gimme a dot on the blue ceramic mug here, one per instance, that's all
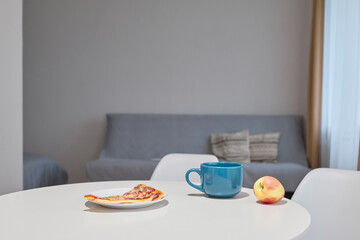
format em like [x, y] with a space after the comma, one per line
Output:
[218, 179]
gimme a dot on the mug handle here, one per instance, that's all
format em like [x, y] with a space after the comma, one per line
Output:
[198, 171]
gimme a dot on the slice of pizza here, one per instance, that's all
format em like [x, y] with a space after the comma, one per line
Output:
[140, 193]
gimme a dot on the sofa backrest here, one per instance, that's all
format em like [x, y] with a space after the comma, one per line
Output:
[149, 136]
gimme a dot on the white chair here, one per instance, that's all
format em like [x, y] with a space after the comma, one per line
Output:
[173, 167]
[332, 198]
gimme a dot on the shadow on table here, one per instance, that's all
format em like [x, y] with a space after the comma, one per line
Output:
[95, 208]
[239, 196]
[281, 202]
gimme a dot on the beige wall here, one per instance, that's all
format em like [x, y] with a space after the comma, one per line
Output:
[86, 58]
[11, 173]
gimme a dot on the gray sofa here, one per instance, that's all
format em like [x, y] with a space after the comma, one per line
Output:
[133, 141]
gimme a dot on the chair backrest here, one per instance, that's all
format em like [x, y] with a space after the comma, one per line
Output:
[332, 198]
[173, 167]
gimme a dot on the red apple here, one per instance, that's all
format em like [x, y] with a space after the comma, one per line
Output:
[268, 189]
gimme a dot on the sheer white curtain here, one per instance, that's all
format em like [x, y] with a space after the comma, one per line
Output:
[341, 85]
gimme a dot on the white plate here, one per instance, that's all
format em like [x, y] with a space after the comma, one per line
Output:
[120, 191]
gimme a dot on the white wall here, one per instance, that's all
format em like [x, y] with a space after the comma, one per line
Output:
[86, 58]
[11, 173]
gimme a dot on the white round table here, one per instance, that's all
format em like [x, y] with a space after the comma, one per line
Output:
[61, 212]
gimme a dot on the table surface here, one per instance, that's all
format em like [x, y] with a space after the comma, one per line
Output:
[61, 212]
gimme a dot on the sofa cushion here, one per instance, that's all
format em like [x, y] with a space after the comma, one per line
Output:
[264, 147]
[231, 147]
[110, 169]
[148, 136]
[289, 174]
